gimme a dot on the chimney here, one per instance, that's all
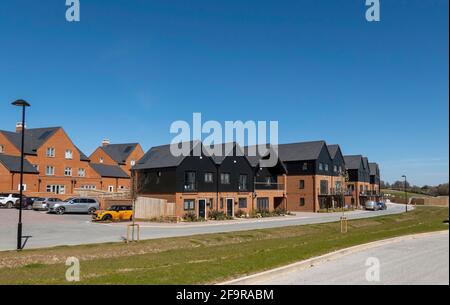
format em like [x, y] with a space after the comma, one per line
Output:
[19, 127]
[105, 142]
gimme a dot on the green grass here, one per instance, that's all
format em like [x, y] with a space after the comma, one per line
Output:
[209, 258]
[401, 194]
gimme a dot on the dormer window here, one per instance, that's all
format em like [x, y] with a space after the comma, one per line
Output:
[51, 152]
[69, 154]
[101, 160]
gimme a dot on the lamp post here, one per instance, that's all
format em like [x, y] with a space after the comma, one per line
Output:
[406, 194]
[23, 104]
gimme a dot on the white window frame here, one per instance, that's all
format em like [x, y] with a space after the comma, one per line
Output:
[69, 154]
[2, 148]
[133, 162]
[111, 188]
[81, 172]
[51, 152]
[24, 187]
[101, 160]
[58, 189]
[68, 172]
[49, 173]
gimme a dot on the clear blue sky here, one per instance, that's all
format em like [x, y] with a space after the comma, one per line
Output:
[132, 67]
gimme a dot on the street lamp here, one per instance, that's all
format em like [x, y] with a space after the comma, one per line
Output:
[23, 104]
[406, 194]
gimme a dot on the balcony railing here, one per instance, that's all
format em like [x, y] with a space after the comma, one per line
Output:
[335, 192]
[190, 187]
[269, 186]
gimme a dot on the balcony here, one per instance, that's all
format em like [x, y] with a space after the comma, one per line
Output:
[335, 192]
[190, 187]
[270, 186]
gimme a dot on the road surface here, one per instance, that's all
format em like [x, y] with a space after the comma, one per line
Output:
[419, 261]
[53, 230]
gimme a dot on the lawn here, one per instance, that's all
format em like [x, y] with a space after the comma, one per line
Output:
[211, 258]
[401, 194]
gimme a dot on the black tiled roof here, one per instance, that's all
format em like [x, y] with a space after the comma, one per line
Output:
[300, 151]
[353, 162]
[110, 171]
[119, 152]
[12, 163]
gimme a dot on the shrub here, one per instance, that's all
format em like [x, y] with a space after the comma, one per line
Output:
[217, 215]
[240, 214]
[190, 217]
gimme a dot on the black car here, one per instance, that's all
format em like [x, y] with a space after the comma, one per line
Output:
[27, 203]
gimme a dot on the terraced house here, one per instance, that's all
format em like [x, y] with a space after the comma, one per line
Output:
[200, 184]
[359, 180]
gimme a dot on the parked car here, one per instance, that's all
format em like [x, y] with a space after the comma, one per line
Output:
[372, 206]
[8, 200]
[41, 204]
[116, 213]
[74, 205]
[382, 205]
[27, 203]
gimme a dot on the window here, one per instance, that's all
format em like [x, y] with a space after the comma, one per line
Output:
[242, 203]
[335, 168]
[189, 181]
[50, 171]
[88, 187]
[340, 169]
[243, 182]
[56, 189]
[101, 160]
[69, 154]
[326, 167]
[321, 166]
[225, 178]
[221, 203]
[302, 202]
[189, 205]
[110, 188]
[305, 166]
[133, 162]
[24, 187]
[301, 184]
[323, 187]
[209, 178]
[51, 152]
[2, 149]
[81, 172]
[262, 204]
[68, 172]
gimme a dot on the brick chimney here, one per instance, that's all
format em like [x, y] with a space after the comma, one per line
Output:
[105, 142]
[19, 127]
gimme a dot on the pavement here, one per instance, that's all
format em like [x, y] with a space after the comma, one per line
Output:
[411, 260]
[48, 230]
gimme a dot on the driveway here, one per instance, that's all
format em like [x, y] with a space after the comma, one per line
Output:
[48, 230]
[417, 261]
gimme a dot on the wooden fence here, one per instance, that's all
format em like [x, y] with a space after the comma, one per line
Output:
[152, 208]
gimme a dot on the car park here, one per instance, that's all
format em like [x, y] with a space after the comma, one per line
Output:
[114, 213]
[8, 200]
[41, 204]
[79, 205]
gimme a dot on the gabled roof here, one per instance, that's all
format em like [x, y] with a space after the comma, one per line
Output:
[226, 150]
[12, 163]
[373, 168]
[255, 157]
[366, 163]
[303, 151]
[119, 152]
[34, 139]
[161, 156]
[110, 171]
[353, 162]
[333, 149]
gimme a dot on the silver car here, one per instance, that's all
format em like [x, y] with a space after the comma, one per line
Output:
[41, 204]
[74, 205]
[371, 205]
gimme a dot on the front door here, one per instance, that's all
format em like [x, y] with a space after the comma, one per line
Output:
[230, 207]
[202, 208]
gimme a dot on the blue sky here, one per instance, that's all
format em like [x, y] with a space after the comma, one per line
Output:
[132, 67]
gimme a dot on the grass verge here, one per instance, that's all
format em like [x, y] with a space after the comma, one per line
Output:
[209, 258]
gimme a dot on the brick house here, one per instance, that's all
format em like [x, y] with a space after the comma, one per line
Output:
[60, 164]
[10, 175]
[359, 180]
[123, 155]
[375, 179]
[200, 184]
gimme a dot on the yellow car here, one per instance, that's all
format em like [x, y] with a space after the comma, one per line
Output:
[114, 213]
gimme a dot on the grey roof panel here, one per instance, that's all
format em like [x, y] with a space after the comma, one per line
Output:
[119, 152]
[353, 162]
[373, 168]
[12, 163]
[112, 171]
[333, 149]
[300, 151]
